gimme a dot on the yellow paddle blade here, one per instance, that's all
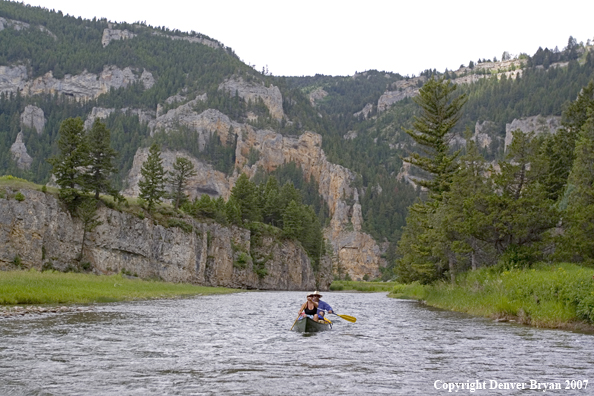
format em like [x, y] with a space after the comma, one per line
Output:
[347, 318]
[327, 320]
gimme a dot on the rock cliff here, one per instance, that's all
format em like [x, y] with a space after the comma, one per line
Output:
[207, 180]
[401, 90]
[19, 153]
[33, 117]
[271, 96]
[115, 34]
[40, 231]
[537, 124]
[82, 86]
[364, 256]
[317, 95]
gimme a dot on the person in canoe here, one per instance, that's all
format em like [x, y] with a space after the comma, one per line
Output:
[309, 308]
[322, 305]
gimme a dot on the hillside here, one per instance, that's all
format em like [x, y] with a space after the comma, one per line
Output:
[193, 95]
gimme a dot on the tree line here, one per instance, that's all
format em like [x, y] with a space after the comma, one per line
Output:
[535, 204]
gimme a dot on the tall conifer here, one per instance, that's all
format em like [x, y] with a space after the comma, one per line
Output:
[152, 184]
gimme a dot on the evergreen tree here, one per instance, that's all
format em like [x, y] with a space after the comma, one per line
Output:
[183, 170]
[440, 111]
[293, 221]
[70, 164]
[577, 239]
[245, 194]
[101, 157]
[152, 184]
[86, 211]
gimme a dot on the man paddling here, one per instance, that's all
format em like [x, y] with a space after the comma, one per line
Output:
[322, 305]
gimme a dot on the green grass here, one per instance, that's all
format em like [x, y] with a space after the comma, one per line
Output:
[363, 286]
[554, 296]
[32, 287]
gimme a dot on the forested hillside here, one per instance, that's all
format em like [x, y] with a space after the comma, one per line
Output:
[144, 73]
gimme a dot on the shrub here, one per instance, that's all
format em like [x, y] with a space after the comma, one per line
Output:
[85, 266]
[17, 261]
[44, 188]
[241, 261]
[179, 224]
[19, 196]
[48, 266]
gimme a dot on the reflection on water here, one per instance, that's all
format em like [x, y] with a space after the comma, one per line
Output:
[241, 344]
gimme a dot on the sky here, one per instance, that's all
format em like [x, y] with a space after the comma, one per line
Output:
[296, 38]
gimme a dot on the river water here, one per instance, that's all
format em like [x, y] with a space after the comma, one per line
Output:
[240, 344]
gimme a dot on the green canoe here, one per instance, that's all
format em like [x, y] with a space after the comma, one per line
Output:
[307, 325]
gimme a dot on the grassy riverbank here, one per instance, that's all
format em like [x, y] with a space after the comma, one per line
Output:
[553, 296]
[362, 286]
[32, 287]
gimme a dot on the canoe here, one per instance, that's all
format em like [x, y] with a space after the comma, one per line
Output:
[307, 325]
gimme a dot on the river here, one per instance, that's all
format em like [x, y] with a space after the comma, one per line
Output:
[240, 344]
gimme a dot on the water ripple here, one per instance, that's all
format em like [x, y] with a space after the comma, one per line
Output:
[240, 344]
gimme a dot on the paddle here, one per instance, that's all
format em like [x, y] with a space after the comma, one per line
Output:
[298, 315]
[346, 317]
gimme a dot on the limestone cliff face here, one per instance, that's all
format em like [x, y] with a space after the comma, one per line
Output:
[275, 150]
[115, 34]
[317, 95]
[400, 91]
[12, 78]
[192, 39]
[97, 112]
[365, 112]
[19, 25]
[271, 96]
[205, 123]
[537, 124]
[40, 231]
[19, 153]
[363, 254]
[207, 180]
[33, 117]
[82, 86]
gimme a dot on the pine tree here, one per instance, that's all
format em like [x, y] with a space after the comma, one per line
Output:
[183, 170]
[440, 111]
[152, 184]
[70, 164]
[101, 157]
[293, 220]
[244, 193]
[577, 240]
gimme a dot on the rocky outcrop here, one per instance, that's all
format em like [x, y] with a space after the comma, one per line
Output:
[40, 231]
[350, 135]
[537, 124]
[334, 186]
[317, 95]
[206, 123]
[82, 86]
[18, 25]
[114, 34]
[19, 153]
[207, 180]
[33, 117]
[97, 112]
[271, 96]
[400, 90]
[12, 78]
[365, 112]
[483, 132]
[275, 150]
[192, 39]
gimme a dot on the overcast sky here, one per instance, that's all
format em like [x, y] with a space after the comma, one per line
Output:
[305, 37]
